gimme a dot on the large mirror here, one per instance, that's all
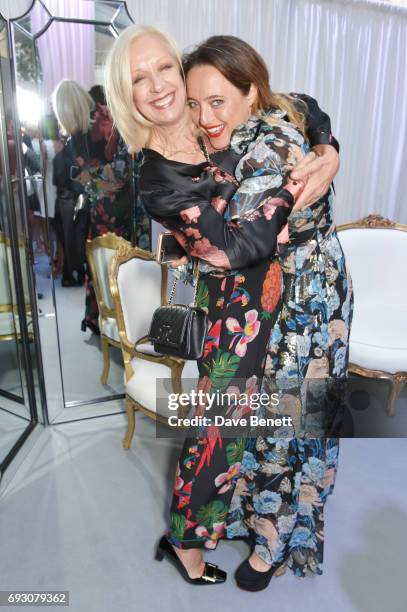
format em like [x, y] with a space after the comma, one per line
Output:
[78, 186]
[18, 356]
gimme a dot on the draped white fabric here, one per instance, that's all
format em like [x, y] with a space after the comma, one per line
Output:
[351, 55]
[79, 62]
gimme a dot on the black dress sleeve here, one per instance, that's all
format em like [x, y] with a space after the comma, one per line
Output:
[198, 223]
[318, 123]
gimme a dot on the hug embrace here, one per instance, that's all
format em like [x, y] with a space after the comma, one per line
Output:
[242, 178]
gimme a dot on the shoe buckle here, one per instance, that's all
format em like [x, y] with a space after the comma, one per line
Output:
[206, 576]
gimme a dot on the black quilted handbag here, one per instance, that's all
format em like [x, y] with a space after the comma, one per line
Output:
[179, 330]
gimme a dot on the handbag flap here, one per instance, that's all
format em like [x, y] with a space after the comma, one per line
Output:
[169, 324]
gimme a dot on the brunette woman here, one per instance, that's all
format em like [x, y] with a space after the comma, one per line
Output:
[283, 482]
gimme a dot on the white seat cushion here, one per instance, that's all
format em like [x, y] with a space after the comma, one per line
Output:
[147, 348]
[7, 322]
[142, 386]
[378, 339]
[108, 327]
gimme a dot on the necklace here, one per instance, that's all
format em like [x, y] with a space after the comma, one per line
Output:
[168, 153]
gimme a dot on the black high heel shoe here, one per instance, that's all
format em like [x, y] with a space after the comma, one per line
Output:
[249, 579]
[211, 574]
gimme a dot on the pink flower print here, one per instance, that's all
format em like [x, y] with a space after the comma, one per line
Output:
[179, 483]
[271, 204]
[251, 385]
[195, 234]
[246, 334]
[236, 410]
[220, 176]
[190, 215]
[179, 236]
[219, 204]
[210, 253]
[226, 478]
[212, 538]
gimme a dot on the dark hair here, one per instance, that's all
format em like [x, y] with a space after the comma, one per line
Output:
[97, 93]
[242, 65]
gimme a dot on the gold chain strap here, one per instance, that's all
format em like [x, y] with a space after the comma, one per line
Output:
[204, 149]
[202, 144]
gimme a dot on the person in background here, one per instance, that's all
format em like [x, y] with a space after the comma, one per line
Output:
[99, 171]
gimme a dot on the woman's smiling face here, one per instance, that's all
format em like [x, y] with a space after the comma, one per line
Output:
[158, 87]
[217, 106]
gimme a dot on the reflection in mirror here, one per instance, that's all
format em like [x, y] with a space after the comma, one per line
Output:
[80, 189]
[14, 406]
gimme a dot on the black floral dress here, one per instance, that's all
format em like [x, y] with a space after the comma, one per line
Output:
[242, 303]
[109, 195]
[286, 476]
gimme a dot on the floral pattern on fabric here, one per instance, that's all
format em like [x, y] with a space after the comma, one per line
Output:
[209, 464]
[308, 343]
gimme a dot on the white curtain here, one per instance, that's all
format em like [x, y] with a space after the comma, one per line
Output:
[351, 55]
[14, 8]
[67, 50]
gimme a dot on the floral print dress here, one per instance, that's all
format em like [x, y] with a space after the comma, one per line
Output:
[109, 196]
[283, 483]
[242, 303]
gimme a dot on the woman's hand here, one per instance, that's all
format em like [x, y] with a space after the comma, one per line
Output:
[317, 169]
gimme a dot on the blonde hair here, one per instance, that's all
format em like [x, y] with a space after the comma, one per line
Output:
[72, 106]
[133, 127]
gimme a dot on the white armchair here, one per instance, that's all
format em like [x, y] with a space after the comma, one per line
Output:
[100, 252]
[138, 286]
[376, 254]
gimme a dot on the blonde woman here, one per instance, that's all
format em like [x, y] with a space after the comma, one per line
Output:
[188, 193]
[88, 165]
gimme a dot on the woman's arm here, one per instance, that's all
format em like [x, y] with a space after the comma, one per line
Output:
[317, 122]
[199, 225]
[321, 165]
[205, 234]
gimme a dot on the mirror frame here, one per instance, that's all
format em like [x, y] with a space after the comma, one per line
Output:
[30, 399]
[119, 9]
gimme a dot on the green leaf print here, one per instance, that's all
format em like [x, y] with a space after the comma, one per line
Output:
[264, 315]
[222, 369]
[234, 451]
[202, 295]
[214, 512]
[178, 523]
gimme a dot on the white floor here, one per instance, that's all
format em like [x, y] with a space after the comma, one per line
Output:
[81, 356]
[83, 515]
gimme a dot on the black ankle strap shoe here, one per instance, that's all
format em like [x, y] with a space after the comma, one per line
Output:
[249, 579]
[211, 574]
